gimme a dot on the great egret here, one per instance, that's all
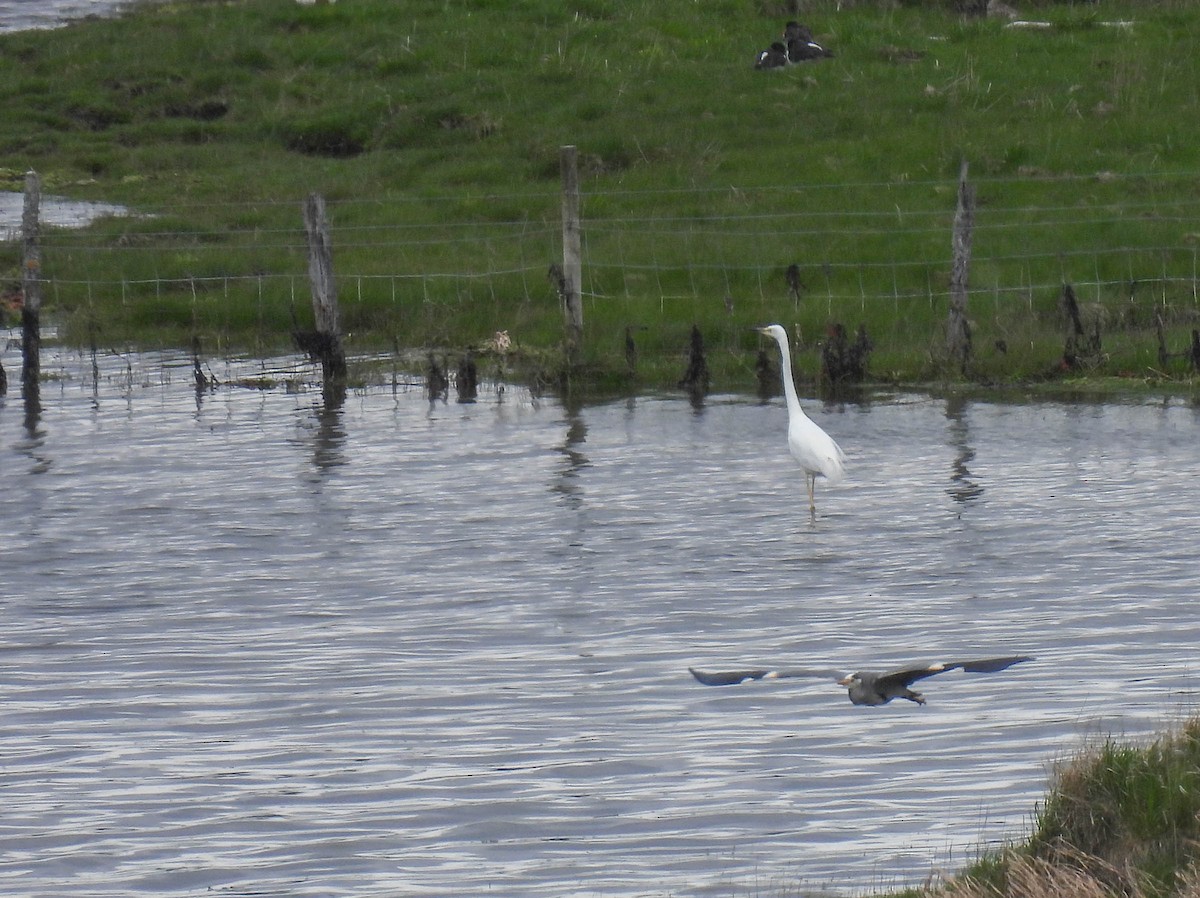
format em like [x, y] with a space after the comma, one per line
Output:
[816, 451]
[866, 687]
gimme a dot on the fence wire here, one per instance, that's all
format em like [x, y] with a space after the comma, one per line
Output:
[880, 251]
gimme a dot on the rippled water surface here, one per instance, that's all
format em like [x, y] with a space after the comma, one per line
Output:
[251, 646]
[19, 15]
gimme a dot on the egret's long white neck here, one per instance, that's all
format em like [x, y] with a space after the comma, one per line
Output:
[789, 386]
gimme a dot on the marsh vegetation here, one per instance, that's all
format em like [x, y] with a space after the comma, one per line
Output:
[1120, 819]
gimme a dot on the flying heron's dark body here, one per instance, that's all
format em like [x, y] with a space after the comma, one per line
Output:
[866, 687]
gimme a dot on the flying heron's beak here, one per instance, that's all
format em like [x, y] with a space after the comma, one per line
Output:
[759, 329]
[845, 681]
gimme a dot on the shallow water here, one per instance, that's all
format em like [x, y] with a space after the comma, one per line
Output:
[53, 211]
[254, 647]
[22, 15]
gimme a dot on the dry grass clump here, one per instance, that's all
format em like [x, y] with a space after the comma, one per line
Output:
[1083, 877]
[1035, 877]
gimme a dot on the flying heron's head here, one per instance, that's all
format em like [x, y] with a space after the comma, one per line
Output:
[772, 330]
[849, 679]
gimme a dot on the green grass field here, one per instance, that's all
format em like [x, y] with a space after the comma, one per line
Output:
[434, 130]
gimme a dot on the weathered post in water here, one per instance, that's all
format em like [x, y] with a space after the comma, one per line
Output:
[31, 285]
[842, 361]
[326, 344]
[696, 379]
[958, 331]
[466, 378]
[572, 269]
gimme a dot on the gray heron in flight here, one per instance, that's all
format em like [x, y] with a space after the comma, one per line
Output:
[866, 687]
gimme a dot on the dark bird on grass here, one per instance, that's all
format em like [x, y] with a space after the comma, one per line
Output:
[774, 57]
[801, 47]
[866, 687]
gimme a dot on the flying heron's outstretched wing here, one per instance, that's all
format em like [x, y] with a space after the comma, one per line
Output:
[733, 677]
[991, 665]
[866, 687]
[909, 675]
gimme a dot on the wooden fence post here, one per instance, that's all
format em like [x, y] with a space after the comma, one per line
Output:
[958, 334]
[326, 344]
[31, 285]
[572, 254]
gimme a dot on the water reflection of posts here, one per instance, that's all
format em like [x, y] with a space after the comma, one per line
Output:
[31, 283]
[962, 488]
[203, 382]
[329, 440]
[566, 484]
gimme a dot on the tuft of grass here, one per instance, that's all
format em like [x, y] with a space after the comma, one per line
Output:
[1119, 820]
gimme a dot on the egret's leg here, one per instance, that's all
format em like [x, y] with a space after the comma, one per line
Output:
[812, 485]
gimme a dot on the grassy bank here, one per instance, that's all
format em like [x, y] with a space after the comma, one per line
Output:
[434, 128]
[1119, 820]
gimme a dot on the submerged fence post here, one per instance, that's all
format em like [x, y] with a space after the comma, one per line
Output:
[326, 343]
[572, 269]
[31, 286]
[958, 335]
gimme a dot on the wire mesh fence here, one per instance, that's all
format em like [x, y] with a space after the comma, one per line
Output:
[454, 267]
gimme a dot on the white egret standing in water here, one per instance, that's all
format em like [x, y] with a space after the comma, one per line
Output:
[812, 447]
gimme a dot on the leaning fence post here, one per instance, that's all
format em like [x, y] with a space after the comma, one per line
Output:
[31, 285]
[572, 253]
[958, 334]
[326, 344]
